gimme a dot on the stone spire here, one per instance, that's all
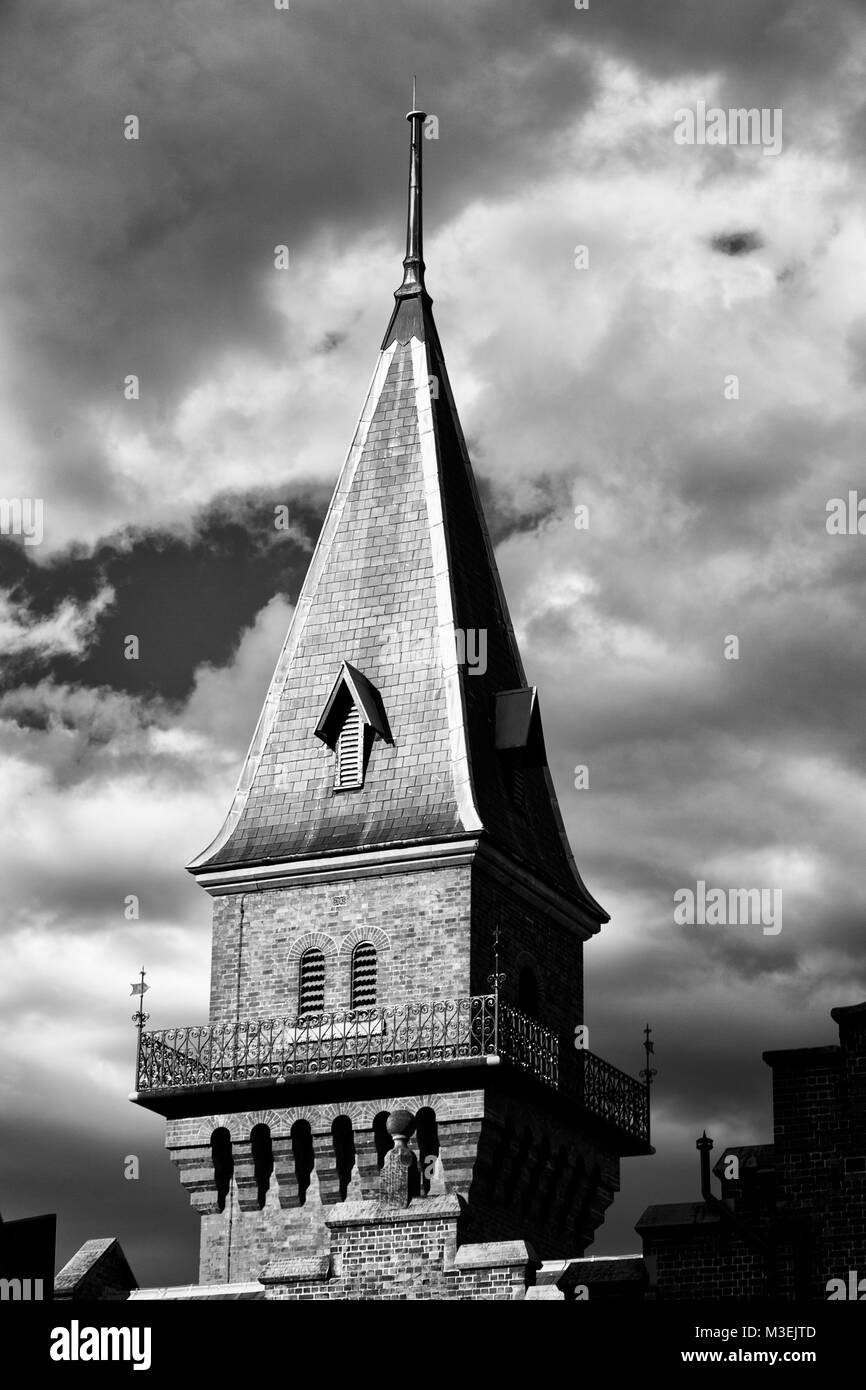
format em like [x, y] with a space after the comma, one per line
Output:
[401, 614]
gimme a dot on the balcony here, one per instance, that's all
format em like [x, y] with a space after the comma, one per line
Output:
[476, 1030]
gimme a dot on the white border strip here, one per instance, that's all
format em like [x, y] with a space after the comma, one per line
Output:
[454, 700]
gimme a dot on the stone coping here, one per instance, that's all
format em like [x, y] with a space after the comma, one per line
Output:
[251, 1289]
[675, 1215]
[304, 1270]
[494, 1254]
[377, 1213]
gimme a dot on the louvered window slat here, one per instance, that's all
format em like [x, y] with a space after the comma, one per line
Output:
[365, 971]
[311, 992]
[349, 751]
[518, 787]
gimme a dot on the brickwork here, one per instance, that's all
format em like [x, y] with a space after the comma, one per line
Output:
[820, 1153]
[419, 923]
[521, 1169]
[528, 936]
[378, 1254]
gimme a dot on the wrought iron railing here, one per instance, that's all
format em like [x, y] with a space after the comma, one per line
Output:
[614, 1096]
[434, 1030]
[524, 1043]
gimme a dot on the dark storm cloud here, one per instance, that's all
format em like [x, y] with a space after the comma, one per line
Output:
[545, 498]
[229, 567]
[73, 1164]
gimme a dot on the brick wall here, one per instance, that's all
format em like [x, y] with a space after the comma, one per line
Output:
[819, 1117]
[418, 921]
[700, 1264]
[408, 1254]
[516, 1159]
[528, 935]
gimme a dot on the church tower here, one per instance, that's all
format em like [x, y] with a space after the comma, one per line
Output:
[397, 973]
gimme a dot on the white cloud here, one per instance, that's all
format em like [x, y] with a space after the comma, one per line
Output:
[65, 632]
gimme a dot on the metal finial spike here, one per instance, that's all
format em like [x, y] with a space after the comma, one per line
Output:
[414, 103]
[413, 263]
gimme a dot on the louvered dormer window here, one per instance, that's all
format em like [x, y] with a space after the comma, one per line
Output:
[519, 739]
[350, 752]
[353, 718]
[518, 786]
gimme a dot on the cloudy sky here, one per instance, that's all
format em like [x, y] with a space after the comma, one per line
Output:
[607, 387]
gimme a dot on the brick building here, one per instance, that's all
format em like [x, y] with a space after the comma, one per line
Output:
[389, 1082]
[792, 1215]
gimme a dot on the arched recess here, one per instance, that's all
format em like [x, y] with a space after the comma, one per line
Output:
[223, 1164]
[302, 1151]
[343, 1137]
[382, 1139]
[263, 1160]
[427, 1138]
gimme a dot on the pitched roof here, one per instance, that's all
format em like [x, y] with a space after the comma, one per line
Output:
[401, 588]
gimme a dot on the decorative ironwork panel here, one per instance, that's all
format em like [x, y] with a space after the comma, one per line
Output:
[615, 1096]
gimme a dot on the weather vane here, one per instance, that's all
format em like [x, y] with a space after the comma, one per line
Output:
[140, 1017]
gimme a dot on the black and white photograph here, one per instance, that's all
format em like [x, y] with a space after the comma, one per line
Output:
[432, 666]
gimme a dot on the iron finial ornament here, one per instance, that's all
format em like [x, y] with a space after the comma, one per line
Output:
[413, 263]
[139, 1018]
[496, 977]
[649, 1048]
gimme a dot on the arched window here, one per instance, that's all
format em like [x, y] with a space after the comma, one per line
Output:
[350, 751]
[311, 987]
[223, 1164]
[365, 972]
[527, 992]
